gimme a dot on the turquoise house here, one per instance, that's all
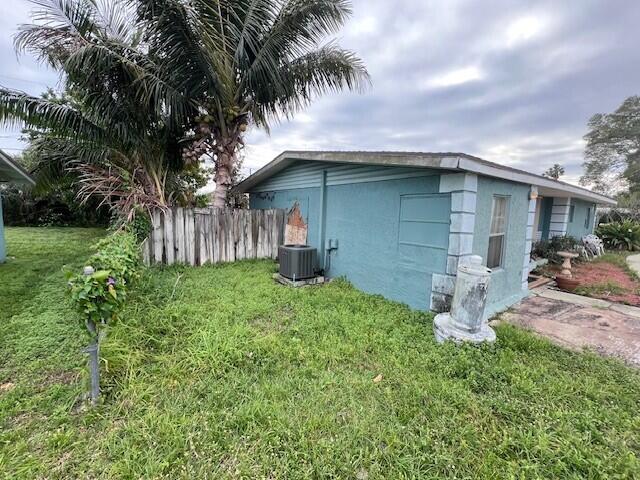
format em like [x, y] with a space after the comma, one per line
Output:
[398, 224]
[10, 172]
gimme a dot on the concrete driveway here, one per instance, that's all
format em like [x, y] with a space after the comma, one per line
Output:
[578, 322]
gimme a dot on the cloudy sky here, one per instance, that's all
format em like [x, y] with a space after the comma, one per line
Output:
[510, 81]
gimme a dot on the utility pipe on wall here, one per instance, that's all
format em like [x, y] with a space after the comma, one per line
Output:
[322, 219]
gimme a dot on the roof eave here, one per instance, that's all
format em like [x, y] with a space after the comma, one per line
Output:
[20, 175]
[395, 159]
[533, 179]
[445, 161]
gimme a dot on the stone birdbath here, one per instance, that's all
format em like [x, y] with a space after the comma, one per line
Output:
[566, 264]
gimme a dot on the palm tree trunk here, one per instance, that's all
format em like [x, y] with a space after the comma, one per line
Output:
[225, 162]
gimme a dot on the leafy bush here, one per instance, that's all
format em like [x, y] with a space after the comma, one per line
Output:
[623, 235]
[58, 208]
[99, 296]
[549, 248]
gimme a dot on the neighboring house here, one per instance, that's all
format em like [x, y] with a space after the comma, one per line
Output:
[397, 224]
[10, 172]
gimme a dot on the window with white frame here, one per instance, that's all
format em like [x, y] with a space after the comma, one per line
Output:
[498, 231]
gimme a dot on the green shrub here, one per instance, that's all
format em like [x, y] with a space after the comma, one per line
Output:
[99, 296]
[549, 248]
[141, 226]
[623, 235]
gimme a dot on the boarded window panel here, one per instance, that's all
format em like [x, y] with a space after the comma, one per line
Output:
[424, 234]
[494, 257]
[425, 208]
[412, 258]
[424, 220]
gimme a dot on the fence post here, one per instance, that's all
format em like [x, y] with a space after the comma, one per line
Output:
[94, 352]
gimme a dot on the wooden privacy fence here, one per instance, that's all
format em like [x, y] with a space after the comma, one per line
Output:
[209, 235]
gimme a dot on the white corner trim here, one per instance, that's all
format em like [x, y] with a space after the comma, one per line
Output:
[463, 188]
[559, 216]
[528, 241]
[458, 182]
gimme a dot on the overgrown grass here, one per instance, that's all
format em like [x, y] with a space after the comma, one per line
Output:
[603, 288]
[217, 372]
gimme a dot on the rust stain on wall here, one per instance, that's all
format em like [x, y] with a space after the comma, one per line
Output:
[295, 231]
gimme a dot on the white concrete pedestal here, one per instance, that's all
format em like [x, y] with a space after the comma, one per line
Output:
[444, 329]
[465, 322]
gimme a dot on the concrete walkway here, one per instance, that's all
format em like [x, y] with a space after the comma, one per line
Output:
[578, 322]
[634, 263]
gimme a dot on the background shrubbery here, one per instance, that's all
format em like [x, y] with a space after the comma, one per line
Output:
[622, 235]
[549, 248]
[25, 208]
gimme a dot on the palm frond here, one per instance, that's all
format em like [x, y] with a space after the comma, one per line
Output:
[329, 69]
[176, 34]
[297, 29]
[60, 26]
[116, 19]
[19, 109]
[154, 82]
[125, 86]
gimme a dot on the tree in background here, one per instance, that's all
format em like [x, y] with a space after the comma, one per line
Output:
[160, 84]
[117, 146]
[613, 150]
[49, 204]
[54, 199]
[554, 172]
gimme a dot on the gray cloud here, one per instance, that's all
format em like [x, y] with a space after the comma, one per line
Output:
[511, 81]
[19, 72]
[536, 72]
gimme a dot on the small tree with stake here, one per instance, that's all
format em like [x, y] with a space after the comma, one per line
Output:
[99, 293]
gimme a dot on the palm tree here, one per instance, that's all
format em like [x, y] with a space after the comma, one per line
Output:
[119, 147]
[161, 83]
[247, 62]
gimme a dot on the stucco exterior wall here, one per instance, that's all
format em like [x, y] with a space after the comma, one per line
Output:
[307, 198]
[386, 249]
[394, 229]
[556, 217]
[3, 248]
[583, 218]
[506, 282]
[391, 224]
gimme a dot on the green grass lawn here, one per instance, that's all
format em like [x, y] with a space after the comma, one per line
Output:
[217, 372]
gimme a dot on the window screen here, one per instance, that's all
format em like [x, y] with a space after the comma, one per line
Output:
[572, 210]
[498, 232]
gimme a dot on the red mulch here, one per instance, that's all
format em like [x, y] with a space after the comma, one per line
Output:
[603, 272]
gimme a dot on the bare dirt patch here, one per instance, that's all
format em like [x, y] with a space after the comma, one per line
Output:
[60, 377]
[7, 387]
[275, 322]
[609, 282]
